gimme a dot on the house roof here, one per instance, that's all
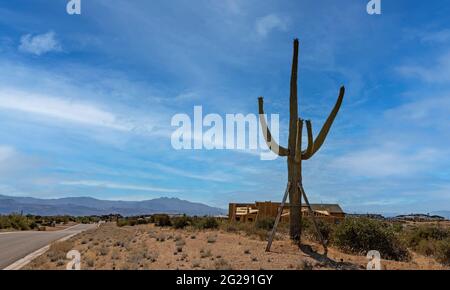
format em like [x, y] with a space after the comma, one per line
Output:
[332, 208]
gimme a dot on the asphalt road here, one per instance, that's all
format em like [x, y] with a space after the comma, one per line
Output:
[16, 245]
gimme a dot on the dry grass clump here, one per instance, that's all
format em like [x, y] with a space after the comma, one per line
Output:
[196, 264]
[104, 251]
[304, 265]
[161, 237]
[212, 239]
[58, 251]
[222, 264]
[88, 260]
[205, 253]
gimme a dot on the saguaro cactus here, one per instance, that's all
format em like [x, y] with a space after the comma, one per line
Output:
[294, 152]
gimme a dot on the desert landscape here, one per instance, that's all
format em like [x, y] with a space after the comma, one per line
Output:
[225, 246]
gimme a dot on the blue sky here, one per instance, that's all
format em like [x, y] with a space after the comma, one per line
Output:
[86, 100]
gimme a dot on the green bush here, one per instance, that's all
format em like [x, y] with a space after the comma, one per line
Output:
[180, 222]
[430, 241]
[360, 235]
[162, 220]
[209, 223]
[416, 235]
[443, 251]
[325, 228]
[15, 221]
[142, 221]
[122, 222]
[265, 224]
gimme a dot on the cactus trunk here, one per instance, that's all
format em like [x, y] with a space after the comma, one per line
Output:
[294, 168]
[295, 200]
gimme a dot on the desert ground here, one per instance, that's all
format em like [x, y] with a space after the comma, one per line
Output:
[149, 247]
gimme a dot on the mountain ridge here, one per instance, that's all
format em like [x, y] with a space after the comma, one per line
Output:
[81, 206]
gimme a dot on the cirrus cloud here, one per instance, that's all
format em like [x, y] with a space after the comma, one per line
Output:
[39, 44]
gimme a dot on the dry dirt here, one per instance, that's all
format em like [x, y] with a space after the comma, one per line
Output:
[150, 247]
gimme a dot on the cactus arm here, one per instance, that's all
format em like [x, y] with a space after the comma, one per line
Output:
[272, 144]
[308, 153]
[326, 127]
[298, 146]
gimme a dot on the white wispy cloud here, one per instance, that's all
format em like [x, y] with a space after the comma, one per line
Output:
[210, 176]
[39, 44]
[266, 24]
[376, 162]
[440, 36]
[438, 72]
[431, 111]
[60, 108]
[112, 185]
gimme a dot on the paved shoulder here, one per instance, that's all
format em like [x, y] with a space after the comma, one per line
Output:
[16, 245]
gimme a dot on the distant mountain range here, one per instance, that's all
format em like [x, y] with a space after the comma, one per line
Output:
[442, 213]
[85, 206]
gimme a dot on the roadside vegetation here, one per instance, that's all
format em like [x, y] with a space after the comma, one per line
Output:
[33, 222]
[213, 243]
[393, 240]
[182, 242]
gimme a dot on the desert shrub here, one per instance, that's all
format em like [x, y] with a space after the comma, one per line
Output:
[15, 221]
[397, 227]
[442, 253]
[33, 225]
[205, 253]
[416, 235]
[206, 223]
[304, 265]
[222, 264]
[152, 256]
[180, 222]
[104, 251]
[115, 255]
[58, 251]
[5, 223]
[121, 223]
[265, 224]
[249, 228]
[161, 237]
[180, 243]
[142, 221]
[230, 227]
[211, 239]
[325, 228]
[360, 235]
[430, 241]
[162, 220]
